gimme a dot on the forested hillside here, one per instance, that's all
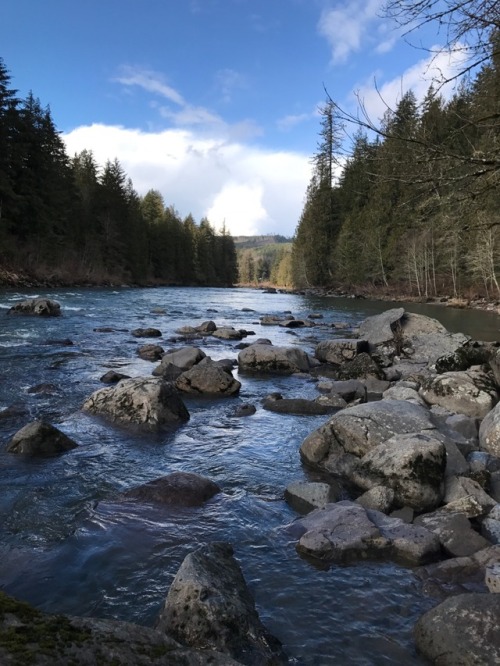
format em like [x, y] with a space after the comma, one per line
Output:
[69, 220]
[416, 207]
[264, 259]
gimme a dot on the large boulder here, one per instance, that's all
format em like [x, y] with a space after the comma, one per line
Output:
[413, 465]
[467, 392]
[183, 358]
[428, 339]
[339, 350]
[273, 360]
[358, 429]
[346, 531]
[489, 432]
[227, 333]
[209, 604]
[379, 329]
[42, 307]
[463, 630]
[40, 438]
[297, 406]
[178, 488]
[208, 379]
[143, 401]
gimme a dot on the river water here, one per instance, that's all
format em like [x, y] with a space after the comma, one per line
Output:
[68, 545]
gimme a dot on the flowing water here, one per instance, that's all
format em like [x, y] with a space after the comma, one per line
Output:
[68, 545]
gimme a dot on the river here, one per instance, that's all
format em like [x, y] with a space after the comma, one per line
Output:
[69, 546]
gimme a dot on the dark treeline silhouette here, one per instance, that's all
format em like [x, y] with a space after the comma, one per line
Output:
[69, 220]
[416, 207]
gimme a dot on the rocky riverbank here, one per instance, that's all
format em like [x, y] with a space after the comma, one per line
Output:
[410, 467]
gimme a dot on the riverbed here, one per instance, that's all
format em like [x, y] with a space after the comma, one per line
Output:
[68, 545]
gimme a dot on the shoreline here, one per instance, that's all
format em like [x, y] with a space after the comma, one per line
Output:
[10, 279]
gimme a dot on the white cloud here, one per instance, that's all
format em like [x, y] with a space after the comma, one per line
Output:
[348, 25]
[438, 67]
[291, 121]
[251, 189]
[150, 81]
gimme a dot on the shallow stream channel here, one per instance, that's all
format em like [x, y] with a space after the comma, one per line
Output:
[68, 545]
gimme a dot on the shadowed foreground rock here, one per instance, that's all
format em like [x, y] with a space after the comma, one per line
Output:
[209, 604]
[178, 488]
[28, 636]
[40, 438]
[462, 631]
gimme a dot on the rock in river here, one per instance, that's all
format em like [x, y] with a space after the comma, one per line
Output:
[42, 307]
[178, 488]
[209, 605]
[40, 438]
[143, 401]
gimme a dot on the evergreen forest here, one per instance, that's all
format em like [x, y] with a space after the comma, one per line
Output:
[413, 206]
[68, 220]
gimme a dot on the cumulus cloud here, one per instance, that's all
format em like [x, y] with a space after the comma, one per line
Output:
[250, 189]
[439, 67]
[348, 25]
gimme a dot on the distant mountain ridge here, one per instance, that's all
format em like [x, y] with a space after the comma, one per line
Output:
[247, 242]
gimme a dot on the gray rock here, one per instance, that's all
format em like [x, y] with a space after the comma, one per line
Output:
[380, 328]
[455, 532]
[209, 604]
[461, 631]
[183, 358]
[489, 432]
[41, 307]
[403, 393]
[332, 400]
[178, 488]
[379, 498]
[464, 425]
[492, 578]
[345, 531]
[208, 379]
[362, 366]
[273, 360]
[339, 350]
[428, 338]
[296, 406]
[227, 333]
[413, 465]
[40, 438]
[362, 427]
[143, 401]
[460, 392]
[146, 333]
[490, 529]
[457, 574]
[350, 389]
[304, 496]
[462, 486]
[150, 352]
[245, 410]
[206, 327]
[112, 377]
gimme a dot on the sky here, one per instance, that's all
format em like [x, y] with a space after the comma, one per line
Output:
[214, 103]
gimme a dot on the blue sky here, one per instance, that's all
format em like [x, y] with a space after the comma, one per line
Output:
[212, 102]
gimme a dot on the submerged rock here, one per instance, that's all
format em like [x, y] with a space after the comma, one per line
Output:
[40, 438]
[178, 488]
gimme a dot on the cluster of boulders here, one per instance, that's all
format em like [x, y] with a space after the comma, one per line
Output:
[409, 460]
